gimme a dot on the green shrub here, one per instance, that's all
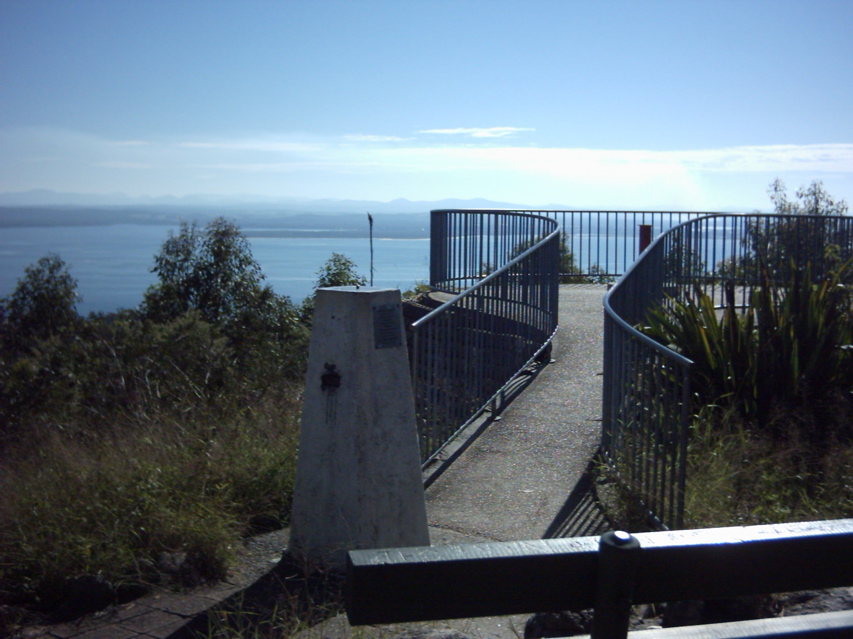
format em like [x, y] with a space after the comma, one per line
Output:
[130, 437]
[113, 505]
[771, 439]
[738, 475]
[43, 305]
[788, 350]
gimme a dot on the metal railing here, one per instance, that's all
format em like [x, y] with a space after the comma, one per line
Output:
[499, 270]
[647, 392]
[604, 244]
[601, 244]
[466, 352]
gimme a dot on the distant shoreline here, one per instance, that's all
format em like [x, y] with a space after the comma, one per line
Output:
[266, 224]
[328, 233]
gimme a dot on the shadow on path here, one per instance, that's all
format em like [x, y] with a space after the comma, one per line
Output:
[468, 435]
[583, 514]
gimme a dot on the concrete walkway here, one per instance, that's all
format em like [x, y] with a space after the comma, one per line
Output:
[514, 479]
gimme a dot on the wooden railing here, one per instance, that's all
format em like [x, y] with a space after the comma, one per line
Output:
[609, 574]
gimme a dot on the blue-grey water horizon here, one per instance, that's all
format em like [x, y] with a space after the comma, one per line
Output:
[112, 263]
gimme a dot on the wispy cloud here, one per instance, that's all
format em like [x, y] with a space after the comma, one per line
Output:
[123, 165]
[132, 143]
[359, 137]
[274, 145]
[492, 132]
[433, 164]
[815, 158]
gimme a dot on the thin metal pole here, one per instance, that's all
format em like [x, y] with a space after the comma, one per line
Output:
[370, 220]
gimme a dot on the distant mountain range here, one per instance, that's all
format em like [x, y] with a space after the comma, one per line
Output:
[257, 217]
[247, 203]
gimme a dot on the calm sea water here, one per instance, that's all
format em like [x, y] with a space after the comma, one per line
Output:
[111, 263]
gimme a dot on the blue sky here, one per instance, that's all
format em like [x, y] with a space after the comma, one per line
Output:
[674, 105]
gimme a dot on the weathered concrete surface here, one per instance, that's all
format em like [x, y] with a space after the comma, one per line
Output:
[512, 481]
[358, 482]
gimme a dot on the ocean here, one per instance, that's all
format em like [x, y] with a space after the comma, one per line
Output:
[112, 263]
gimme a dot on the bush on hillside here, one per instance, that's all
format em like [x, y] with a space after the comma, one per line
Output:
[788, 351]
[167, 431]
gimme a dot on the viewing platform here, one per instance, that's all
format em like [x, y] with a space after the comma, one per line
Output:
[514, 480]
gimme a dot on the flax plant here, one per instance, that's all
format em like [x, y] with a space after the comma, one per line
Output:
[721, 345]
[771, 439]
[789, 347]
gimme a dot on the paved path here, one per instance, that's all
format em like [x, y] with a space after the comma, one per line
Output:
[512, 482]
[515, 477]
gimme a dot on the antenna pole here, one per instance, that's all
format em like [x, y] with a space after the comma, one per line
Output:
[370, 220]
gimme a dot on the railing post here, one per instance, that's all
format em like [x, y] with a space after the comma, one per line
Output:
[645, 236]
[617, 566]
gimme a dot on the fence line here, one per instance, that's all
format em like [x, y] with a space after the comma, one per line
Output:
[498, 269]
[607, 574]
[503, 268]
[604, 244]
[647, 393]
[496, 322]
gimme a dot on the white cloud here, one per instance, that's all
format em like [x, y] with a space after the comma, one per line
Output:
[837, 158]
[124, 165]
[273, 145]
[492, 132]
[358, 137]
[809, 157]
[132, 143]
[452, 163]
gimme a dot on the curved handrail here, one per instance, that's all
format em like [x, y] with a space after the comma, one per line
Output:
[486, 280]
[624, 325]
[466, 351]
[647, 395]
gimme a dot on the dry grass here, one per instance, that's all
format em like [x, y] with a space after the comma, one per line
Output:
[738, 475]
[115, 504]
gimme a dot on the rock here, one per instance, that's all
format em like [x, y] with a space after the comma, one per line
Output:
[811, 601]
[171, 564]
[737, 609]
[558, 624]
[83, 595]
[261, 524]
[691, 613]
[682, 613]
[432, 634]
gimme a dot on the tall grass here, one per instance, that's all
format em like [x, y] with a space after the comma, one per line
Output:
[117, 504]
[739, 475]
[772, 438]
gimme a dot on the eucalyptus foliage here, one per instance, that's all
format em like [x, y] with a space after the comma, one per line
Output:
[210, 270]
[43, 304]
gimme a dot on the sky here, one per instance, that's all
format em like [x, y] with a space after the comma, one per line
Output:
[687, 105]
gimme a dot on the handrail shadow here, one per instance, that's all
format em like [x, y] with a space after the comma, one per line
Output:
[582, 514]
[465, 437]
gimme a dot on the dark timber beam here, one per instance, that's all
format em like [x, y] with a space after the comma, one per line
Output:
[446, 582]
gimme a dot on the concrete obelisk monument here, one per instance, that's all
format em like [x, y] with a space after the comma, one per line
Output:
[358, 482]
